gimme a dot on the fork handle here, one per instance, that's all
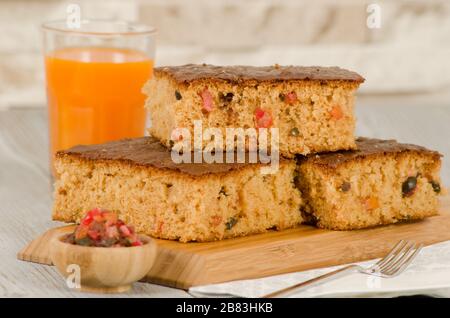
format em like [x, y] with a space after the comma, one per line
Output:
[344, 271]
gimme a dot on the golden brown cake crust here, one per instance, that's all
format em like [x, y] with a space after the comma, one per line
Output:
[146, 151]
[367, 147]
[241, 74]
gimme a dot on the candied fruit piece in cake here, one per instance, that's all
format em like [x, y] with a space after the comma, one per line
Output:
[382, 182]
[188, 202]
[311, 106]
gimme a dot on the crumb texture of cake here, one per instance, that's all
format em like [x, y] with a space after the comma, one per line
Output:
[311, 106]
[382, 182]
[200, 202]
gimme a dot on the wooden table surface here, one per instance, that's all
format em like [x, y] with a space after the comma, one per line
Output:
[25, 187]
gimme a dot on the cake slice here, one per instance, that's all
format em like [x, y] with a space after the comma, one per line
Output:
[138, 179]
[382, 182]
[312, 107]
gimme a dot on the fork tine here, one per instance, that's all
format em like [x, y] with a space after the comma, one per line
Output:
[394, 250]
[401, 267]
[399, 259]
[394, 265]
[394, 260]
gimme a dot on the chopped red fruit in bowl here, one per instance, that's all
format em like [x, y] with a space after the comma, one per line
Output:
[102, 228]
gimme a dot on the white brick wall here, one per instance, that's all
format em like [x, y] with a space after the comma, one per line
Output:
[410, 53]
[232, 25]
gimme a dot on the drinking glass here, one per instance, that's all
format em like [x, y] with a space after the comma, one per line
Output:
[94, 77]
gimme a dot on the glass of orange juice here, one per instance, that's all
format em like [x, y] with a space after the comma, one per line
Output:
[94, 75]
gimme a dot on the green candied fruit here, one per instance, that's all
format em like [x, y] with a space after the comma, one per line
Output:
[409, 186]
[294, 132]
[85, 241]
[436, 186]
[230, 223]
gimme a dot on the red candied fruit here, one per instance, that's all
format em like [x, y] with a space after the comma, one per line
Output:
[112, 232]
[216, 220]
[90, 216]
[125, 230]
[207, 100]
[263, 118]
[93, 234]
[290, 98]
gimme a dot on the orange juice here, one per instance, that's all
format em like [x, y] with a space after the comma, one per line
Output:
[94, 95]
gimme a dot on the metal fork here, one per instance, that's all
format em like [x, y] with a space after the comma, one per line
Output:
[391, 265]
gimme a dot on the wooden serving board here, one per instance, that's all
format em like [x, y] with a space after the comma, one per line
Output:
[183, 265]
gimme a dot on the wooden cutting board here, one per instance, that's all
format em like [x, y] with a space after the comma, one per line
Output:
[183, 265]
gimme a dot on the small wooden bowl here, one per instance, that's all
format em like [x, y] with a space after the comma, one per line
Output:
[104, 269]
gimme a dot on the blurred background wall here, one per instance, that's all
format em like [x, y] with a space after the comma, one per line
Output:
[409, 55]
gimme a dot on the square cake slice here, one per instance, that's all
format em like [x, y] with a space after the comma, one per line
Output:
[188, 202]
[312, 107]
[382, 182]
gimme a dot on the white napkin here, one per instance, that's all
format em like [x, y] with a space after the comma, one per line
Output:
[428, 274]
